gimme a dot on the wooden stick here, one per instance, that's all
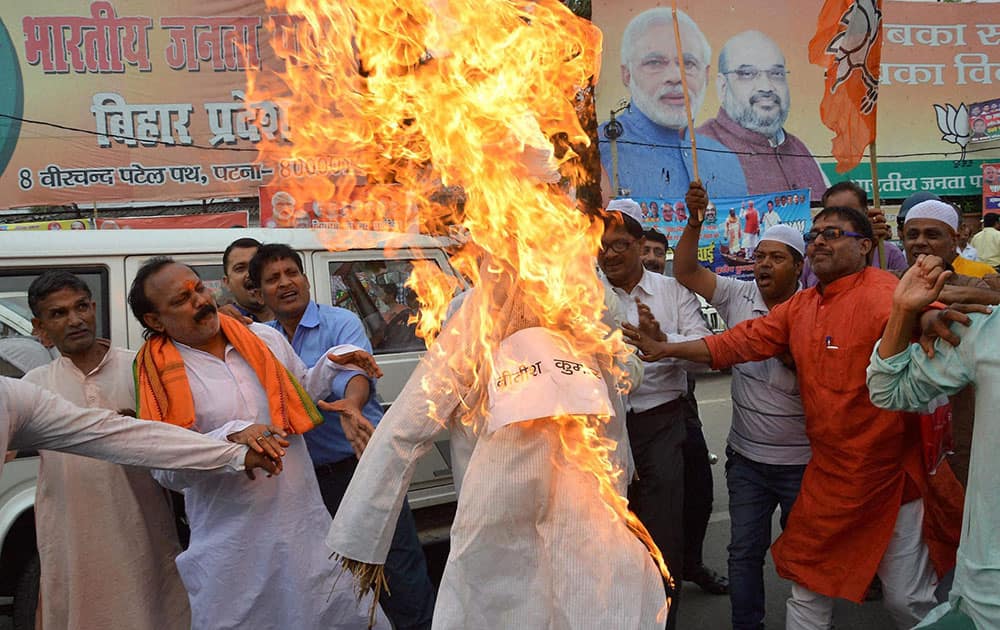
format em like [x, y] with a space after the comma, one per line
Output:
[873, 157]
[687, 98]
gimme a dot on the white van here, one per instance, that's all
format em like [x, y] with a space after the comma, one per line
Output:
[367, 279]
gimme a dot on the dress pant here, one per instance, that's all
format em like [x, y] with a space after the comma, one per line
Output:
[698, 491]
[410, 601]
[755, 490]
[657, 495]
[908, 580]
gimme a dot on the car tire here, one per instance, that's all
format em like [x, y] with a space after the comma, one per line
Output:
[26, 594]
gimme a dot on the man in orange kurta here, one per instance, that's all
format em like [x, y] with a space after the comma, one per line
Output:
[865, 505]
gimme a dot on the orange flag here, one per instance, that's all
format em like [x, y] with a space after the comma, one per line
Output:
[848, 43]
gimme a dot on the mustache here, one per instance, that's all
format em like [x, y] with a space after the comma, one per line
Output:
[757, 96]
[205, 312]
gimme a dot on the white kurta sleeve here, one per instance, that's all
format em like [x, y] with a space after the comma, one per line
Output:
[366, 519]
[42, 420]
[180, 480]
[316, 380]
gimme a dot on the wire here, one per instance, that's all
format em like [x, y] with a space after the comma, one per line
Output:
[702, 149]
[120, 138]
[943, 154]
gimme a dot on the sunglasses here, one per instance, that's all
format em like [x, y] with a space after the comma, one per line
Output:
[829, 234]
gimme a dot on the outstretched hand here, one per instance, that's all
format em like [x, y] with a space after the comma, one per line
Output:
[265, 439]
[259, 460]
[357, 427]
[936, 324]
[921, 284]
[648, 324]
[650, 349]
[359, 358]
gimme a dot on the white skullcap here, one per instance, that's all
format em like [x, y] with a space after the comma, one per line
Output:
[785, 234]
[934, 209]
[627, 207]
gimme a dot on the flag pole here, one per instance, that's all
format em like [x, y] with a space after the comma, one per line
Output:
[687, 97]
[873, 158]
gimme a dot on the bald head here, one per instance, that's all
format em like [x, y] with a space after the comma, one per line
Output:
[753, 83]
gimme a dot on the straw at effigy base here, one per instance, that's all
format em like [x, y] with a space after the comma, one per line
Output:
[368, 578]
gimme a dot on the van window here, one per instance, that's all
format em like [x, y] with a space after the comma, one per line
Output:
[375, 291]
[15, 315]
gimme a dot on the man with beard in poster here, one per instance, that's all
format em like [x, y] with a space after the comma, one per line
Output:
[753, 89]
[654, 148]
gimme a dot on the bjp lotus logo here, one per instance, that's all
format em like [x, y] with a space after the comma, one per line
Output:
[851, 47]
[953, 122]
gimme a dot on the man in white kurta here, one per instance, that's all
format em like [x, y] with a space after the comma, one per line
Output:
[256, 557]
[95, 518]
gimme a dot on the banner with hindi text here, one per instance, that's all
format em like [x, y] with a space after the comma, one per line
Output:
[732, 226]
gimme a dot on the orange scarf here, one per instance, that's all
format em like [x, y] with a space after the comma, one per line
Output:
[163, 393]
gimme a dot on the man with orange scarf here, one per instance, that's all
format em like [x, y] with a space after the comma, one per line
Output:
[256, 557]
[866, 504]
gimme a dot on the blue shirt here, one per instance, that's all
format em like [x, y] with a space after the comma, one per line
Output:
[321, 328]
[663, 171]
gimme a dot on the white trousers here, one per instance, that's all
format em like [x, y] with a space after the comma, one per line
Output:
[908, 580]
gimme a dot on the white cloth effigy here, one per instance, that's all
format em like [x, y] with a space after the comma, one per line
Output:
[533, 545]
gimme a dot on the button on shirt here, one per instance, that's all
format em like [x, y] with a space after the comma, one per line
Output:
[769, 424]
[679, 314]
[321, 328]
[662, 170]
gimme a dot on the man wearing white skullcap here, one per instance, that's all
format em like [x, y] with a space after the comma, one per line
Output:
[931, 227]
[767, 448]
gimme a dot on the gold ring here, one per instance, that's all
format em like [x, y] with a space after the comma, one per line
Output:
[260, 438]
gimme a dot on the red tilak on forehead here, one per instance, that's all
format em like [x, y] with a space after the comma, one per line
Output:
[190, 285]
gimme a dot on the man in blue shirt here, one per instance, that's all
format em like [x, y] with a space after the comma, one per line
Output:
[654, 149]
[336, 445]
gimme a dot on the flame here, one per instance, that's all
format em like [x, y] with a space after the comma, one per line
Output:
[443, 113]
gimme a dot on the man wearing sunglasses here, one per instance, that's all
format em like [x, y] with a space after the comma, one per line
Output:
[860, 509]
[753, 91]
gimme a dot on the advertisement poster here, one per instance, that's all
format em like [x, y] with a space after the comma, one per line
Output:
[756, 97]
[61, 224]
[732, 226]
[991, 188]
[109, 100]
[984, 120]
[235, 219]
[290, 204]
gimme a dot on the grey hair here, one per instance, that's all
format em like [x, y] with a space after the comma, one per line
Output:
[727, 47]
[659, 15]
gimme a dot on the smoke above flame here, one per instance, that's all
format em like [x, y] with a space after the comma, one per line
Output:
[441, 115]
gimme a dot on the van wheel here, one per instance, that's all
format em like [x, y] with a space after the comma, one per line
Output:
[26, 594]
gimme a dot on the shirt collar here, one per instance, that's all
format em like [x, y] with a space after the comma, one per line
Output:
[648, 128]
[310, 318]
[646, 282]
[843, 285]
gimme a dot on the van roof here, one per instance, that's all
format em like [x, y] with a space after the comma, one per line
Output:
[19, 244]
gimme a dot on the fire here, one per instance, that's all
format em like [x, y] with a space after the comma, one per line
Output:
[415, 98]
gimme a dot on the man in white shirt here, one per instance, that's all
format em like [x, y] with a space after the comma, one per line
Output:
[96, 518]
[285, 578]
[659, 412]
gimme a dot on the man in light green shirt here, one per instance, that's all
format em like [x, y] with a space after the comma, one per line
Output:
[902, 376]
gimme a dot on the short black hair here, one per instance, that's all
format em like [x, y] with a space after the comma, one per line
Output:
[991, 220]
[270, 253]
[847, 186]
[138, 300]
[655, 235]
[614, 219]
[858, 219]
[51, 281]
[241, 243]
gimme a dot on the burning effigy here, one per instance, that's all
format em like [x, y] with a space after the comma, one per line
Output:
[412, 98]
